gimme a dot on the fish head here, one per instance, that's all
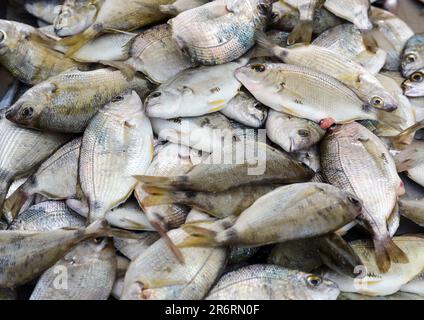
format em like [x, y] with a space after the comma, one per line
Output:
[317, 288]
[378, 98]
[11, 35]
[166, 103]
[128, 101]
[414, 86]
[72, 20]
[256, 76]
[413, 55]
[32, 106]
[304, 137]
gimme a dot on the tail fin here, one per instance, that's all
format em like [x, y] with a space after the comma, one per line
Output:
[128, 71]
[386, 251]
[406, 137]
[13, 205]
[77, 41]
[198, 237]
[152, 181]
[164, 235]
[101, 228]
[162, 196]
[263, 42]
[302, 32]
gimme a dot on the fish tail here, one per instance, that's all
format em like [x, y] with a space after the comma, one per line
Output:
[168, 9]
[406, 136]
[101, 228]
[154, 181]
[159, 227]
[369, 41]
[13, 205]
[198, 237]
[263, 42]
[162, 196]
[386, 252]
[4, 187]
[127, 70]
[302, 32]
[76, 42]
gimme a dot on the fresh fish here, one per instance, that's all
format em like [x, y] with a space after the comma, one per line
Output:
[413, 55]
[132, 248]
[357, 161]
[355, 11]
[26, 53]
[21, 151]
[413, 210]
[296, 211]
[324, 60]
[271, 282]
[311, 158]
[179, 6]
[64, 164]
[90, 274]
[414, 86]
[75, 16]
[370, 281]
[411, 161]
[157, 275]
[129, 216]
[215, 177]
[245, 109]
[45, 10]
[68, 101]
[303, 31]
[291, 133]
[415, 286]
[47, 216]
[293, 90]
[117, 144]
[195, 92]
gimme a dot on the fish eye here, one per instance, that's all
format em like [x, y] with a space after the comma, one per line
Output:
[117, 99]
[353, 200]
[263, 8]
[303, 133]
[258, 67]
[314, 281]
[417, 77]
[411, 57]
[27, 112]
[274, 16]
[156, 94]
[97, 240]
[2, 36]
[65, 14]
[377, 102]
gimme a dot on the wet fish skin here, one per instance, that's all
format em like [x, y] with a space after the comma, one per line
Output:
[355, 11]
[132, 248]
[180, 6]
[117, 144]
[413, 210]
[414, 86]
[43, 9]
[90, 273]
[129, 216]
[68, 101]
[47, 216]
[303, 31]
[411, 161]
[413, 55]
[415, 286]
[25, 52]
[271, 282]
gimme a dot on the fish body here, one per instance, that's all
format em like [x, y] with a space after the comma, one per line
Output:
[44, 9]
[180, 6]
[129, 216]
[413, 55]
[355, 11]
[414, 86]
[132, 248]
[411, 161]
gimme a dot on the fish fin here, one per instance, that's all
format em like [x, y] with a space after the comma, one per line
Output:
[13, 205]
[198, 237]
[44, 39]
[78, 206]
[406, 160]
[77, 41]
[137, 226]
[406, 136]
[369, 42]
[112, 30]
[161, 182]
[128, 71]
[155, 200]
[302, 32]
[164, 235]
[101, 228]
[169, 9]
[263, 42]
[349, 77]
[386, 251]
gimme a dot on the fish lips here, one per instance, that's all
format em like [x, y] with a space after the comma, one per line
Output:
[20, 114]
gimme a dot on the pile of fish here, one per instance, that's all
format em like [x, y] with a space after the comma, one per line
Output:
[194, 149]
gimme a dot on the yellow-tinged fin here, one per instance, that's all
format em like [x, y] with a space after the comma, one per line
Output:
[101, 228]
[136, 225]
[156, 200]
[216, 102]
[386, 252]
[128, 71]
[405, 137]
[302, 32]
[77, 41]
[162, 182]
[216, 109]
[13, 205]
[198, 237]
[164, 235]
[350, 78]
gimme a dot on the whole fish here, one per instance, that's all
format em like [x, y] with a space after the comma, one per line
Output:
[293, 90]
[230, 25]
[75, 16]
[413, 55]
[179, 6]
[22, 150]
[357, 161]
[47, 216]
[132, 248]
[129, 216]
[90, 274]
[26, 53]
[347, 40]
[411, 161]
[68, 101]
[64, 164]
[303, 31]
[414, 86]
[45, 10]
[34, 251]
[122, 15]
[413, 210]
[271, 282]
[202, 133]
[117, 145]
[324, 60]
[296, 211]
[157, 275]
[291, 133]
[195, 92]
[355, 11]
[276, 167]
[370, 281]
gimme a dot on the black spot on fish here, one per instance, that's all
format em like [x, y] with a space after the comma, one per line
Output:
[205, 122]
[384, 158]
[215, 90]
[176, 120]
[282, 85]
[298, 101]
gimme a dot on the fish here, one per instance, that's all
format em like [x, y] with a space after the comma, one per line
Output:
[357, 161]
[411, 161]
[396, 296]
[9, 96]
[311, 158]
[44, 181]
[22, 150]
[413, 55]
[195, 92]
[241, 254]
[390, 34]
[75, 16]
[157, 275]
[414, 86]
[271, 282]
[179, 6]
[215, 177]
[45, 10]
[347, 40]
[67, 102]
[370, 281]
[129, 216]
[117, 16]
[415, 286]
[43, 249]
[90, 274]
[291, 89]
[132, 248]
[47, 216]
[291, 133]
[355, 11]
[413, 210]
[117, 144]
[27, 53]
[230, 24]
[245, 109]
[303, 30]
[326, 61]
[296, 211]
[218, 204]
